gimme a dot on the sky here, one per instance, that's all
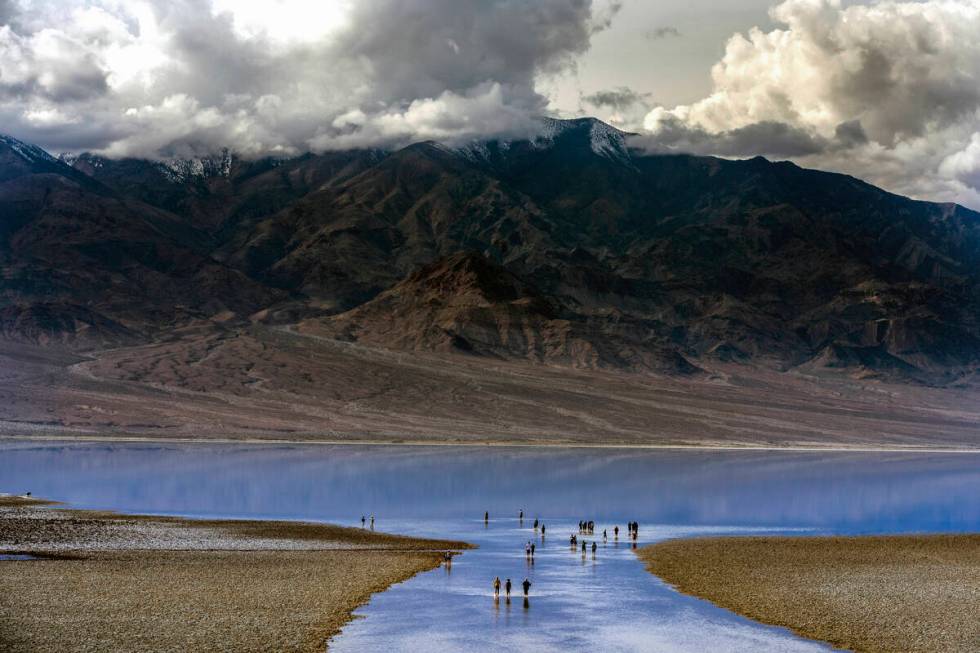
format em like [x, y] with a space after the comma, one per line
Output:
[885, 90]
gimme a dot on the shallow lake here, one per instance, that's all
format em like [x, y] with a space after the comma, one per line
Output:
[606, 602]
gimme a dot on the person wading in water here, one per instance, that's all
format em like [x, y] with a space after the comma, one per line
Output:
[527, 587]
[507, 588]
[496, 587]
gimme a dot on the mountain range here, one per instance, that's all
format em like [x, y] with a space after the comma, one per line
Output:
[571, 249]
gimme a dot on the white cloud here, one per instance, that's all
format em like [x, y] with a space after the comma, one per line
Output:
[888, 91]
[158, 77]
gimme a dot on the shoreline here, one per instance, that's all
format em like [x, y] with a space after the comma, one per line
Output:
[864, 593]
[483, 443]
[146, 582]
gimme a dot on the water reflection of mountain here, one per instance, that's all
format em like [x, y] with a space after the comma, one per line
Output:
[837, 491]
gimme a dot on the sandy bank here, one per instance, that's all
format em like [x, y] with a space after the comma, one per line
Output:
[110, 582]
[894, 593]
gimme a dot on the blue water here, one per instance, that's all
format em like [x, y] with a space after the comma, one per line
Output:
[607, 602]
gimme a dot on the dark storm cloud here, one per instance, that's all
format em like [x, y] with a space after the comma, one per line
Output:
[660, 33]
[762, 138]
[621, 98]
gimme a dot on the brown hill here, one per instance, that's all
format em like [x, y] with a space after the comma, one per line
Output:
[467, 303]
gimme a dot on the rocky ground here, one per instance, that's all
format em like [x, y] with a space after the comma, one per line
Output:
[273, 383]
[894, 593]
[99, 581]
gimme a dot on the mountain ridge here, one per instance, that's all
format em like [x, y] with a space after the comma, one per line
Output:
[644, 258]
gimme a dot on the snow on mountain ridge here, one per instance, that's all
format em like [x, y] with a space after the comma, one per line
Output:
[604, 140]
[30, 153]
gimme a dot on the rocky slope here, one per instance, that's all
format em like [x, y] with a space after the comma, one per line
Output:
[578, 251]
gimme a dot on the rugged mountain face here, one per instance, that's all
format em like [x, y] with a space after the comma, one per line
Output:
[83, 265]
[466, 303]
[612, 257]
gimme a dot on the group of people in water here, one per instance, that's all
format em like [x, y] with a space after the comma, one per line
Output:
[585, 527]
[496, 587]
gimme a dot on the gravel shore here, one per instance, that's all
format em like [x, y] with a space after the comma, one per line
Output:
[109, 582]
[889, 593]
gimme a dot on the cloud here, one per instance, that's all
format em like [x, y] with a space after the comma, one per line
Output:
[622, 106]
[618, 98]
[158, 77]
[660, 33]
[668, 133]
[888, 91]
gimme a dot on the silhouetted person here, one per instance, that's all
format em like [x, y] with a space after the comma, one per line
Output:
[527, 550]
[486, 517]
[593, 549]
[616, 532]
[535, 524]
[363, 521]
[372, 522]
[507, 588]
[542, 530]
[532, 549]
[496, 587]
[527, 586]
[522, 515]
[583, 546]
[604, 536]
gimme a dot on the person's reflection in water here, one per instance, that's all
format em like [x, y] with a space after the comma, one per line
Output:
[527, 603]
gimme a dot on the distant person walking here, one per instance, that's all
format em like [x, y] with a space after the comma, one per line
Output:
[542, 530]
[521, 517]
[535, 524]
[496, 587]
[507, 588]
[532, 549]
[527, 550]
[486, 517]
[527, 586]
[363, 521]
[583, 547]
[593, 549]
[604, 536]
[372, 522]
[616, 532]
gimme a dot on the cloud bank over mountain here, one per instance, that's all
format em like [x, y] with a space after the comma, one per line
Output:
[164, 78]
[888, 91]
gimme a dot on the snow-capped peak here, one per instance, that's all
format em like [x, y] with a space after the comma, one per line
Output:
[30, 153]
[183, 170]
[604, 140]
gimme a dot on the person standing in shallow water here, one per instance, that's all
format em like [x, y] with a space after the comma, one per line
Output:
[486, 517]
[616, 532]
[593, 549]
[527, 586]
[496, 587]
[507, 588]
